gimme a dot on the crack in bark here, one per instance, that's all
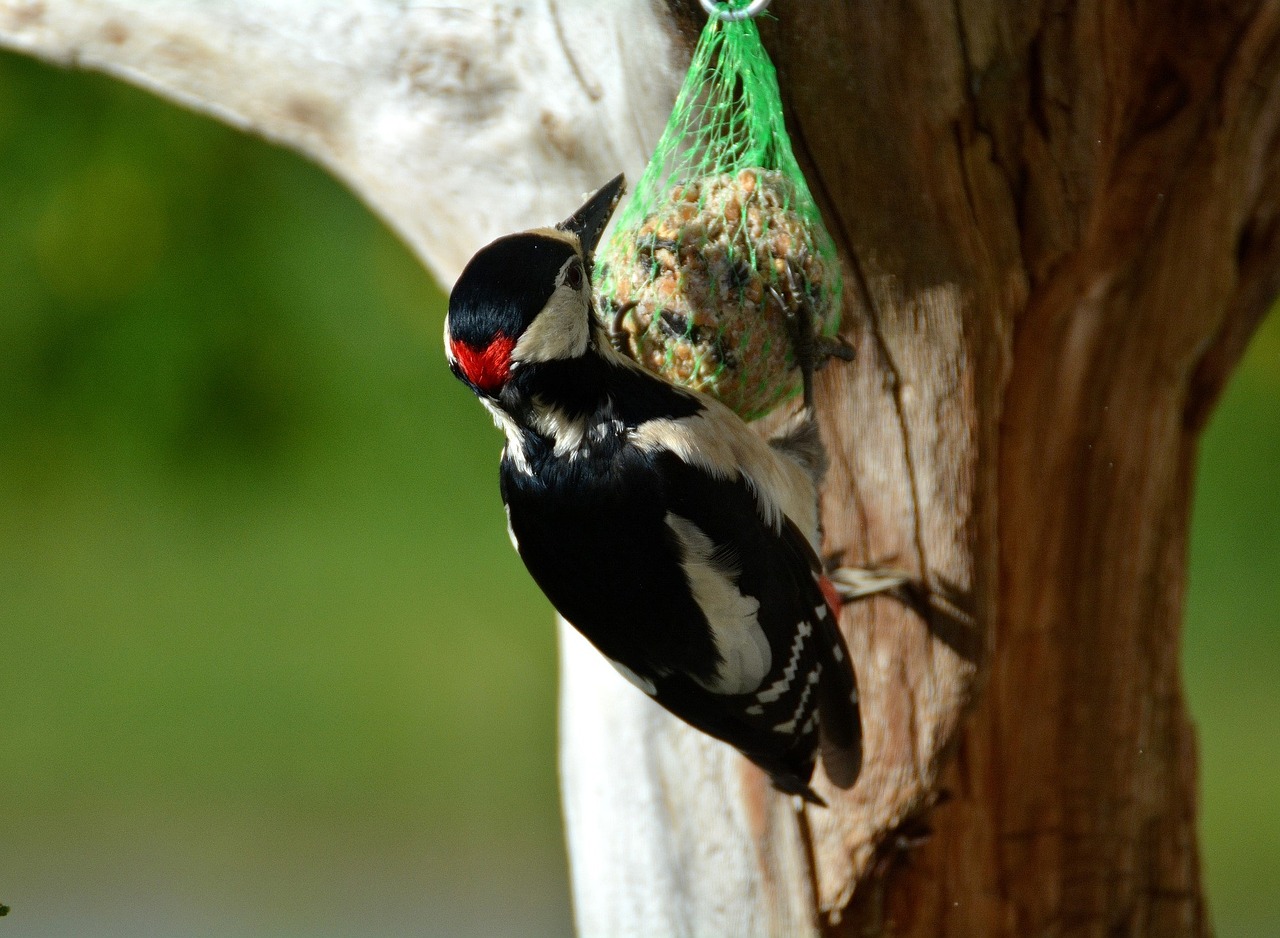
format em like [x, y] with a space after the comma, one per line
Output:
[873, 317]
[913, 722]
[899, 409]
[593, 91]
[819, 183]
[957, 129]
[967, 81]
[957, 135]
[811, 864]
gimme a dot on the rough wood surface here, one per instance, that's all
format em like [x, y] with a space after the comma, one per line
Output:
[456, 122]
[1059, 228]
[1085, 195]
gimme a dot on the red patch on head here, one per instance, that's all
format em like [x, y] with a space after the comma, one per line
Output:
[487, 368]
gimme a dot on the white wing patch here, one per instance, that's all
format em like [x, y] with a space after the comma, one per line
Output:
[790, 726]
[782, 684]
[732, 616]
[716, 441]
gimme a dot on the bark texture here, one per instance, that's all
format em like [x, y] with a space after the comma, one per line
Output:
[1059, 228]
[1090, 189]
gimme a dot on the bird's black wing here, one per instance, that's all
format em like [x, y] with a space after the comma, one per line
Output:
[808, 690]
[677, 577]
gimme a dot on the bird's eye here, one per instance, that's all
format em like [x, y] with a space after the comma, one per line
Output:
[573, 274]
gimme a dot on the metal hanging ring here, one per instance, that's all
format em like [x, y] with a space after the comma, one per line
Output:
[754, 8]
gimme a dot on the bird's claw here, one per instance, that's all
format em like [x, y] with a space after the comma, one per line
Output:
[826, 348]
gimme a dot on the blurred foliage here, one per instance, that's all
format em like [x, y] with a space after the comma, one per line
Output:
[258, 609]
[1232, 644]
[254, 575]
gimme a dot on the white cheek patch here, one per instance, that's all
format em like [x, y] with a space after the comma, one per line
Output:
[559, 331]
[733, 617]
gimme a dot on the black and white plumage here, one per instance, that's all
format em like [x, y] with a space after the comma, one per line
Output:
[672, 536]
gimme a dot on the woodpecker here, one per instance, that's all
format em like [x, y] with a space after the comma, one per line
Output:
[677, 540]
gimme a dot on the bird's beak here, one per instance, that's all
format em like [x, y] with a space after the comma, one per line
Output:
[589, 221]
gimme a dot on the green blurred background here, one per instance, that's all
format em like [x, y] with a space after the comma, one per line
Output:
[268, 666]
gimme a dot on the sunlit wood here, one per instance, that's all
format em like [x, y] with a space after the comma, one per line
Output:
[1059, 228]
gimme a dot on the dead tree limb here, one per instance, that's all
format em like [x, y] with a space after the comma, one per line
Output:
[1059, 227]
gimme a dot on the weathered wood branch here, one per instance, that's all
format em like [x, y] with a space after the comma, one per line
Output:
[455, 122]
[1059, 228]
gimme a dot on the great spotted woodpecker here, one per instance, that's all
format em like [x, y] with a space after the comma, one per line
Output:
[671, 535]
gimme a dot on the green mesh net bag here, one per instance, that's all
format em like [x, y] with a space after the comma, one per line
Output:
[720, 262]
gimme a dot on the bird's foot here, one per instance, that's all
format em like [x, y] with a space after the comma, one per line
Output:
[826, 348]
[811, 349]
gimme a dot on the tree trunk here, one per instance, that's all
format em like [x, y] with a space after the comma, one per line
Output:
[1058, 225]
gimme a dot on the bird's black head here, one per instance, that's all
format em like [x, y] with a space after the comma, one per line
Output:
[526, 298]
